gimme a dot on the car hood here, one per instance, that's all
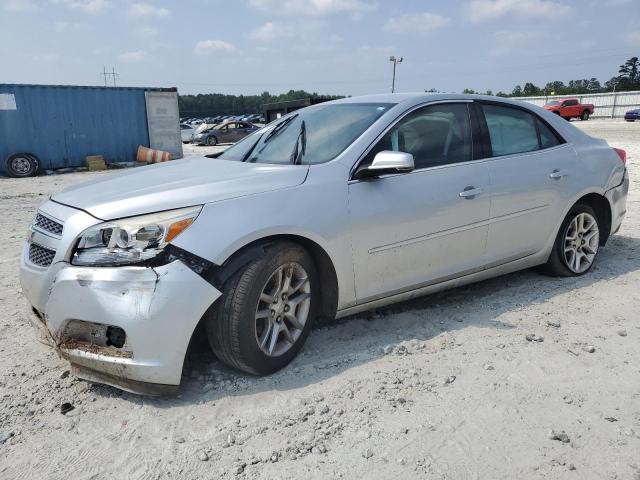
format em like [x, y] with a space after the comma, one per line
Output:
[634, 111]
[177, 184]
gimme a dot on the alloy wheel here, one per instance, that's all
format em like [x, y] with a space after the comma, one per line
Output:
[283, 309]
[581, 242]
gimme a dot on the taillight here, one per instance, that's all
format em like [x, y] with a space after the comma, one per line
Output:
[622, 154]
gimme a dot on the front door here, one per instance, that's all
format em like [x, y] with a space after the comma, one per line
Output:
[413, 229]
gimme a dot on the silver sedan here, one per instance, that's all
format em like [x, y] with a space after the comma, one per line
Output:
[334, 209]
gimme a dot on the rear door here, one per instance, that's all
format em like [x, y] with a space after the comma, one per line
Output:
[532, 173]
[426, 226]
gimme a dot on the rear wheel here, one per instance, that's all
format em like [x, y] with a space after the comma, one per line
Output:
[266, 311]
[20, 165]
[585, 115]
[576, 245]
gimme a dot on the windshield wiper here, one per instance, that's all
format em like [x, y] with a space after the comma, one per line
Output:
[301, 145]
[278, 128]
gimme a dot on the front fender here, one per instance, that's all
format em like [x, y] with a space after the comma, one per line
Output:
[316, 211]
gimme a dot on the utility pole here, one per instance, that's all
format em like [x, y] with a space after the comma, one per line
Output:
[395, 61]
[112, 74]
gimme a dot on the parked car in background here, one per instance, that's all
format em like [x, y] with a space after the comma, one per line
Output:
[632, 115]
[331, 210]
[570, 108]
[227, 132]
[186, 131]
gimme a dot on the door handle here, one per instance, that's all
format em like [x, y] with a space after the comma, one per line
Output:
[470, 192]
[558, 174]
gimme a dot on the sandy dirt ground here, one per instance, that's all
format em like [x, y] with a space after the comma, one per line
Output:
[444, 387]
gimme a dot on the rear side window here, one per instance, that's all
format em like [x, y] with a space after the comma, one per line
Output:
[513, 131]
[548, 138]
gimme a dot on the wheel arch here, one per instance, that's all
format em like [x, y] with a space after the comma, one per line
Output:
[322, 259]
[601, 205]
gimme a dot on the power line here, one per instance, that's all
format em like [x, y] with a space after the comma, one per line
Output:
[112, 74]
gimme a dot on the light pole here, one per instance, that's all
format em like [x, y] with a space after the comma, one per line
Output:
[395, 62]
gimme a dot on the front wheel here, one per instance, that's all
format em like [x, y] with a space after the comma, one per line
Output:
[212, 141]
[576, 245]
[585, 115]
[266, 311]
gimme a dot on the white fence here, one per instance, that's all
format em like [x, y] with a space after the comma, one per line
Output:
[607, 105]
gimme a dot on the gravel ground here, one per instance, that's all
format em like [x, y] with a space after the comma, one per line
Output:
[444, 387]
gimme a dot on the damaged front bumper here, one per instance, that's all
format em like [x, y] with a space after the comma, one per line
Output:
[128, 326]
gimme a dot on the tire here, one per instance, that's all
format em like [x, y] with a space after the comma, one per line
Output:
[568, 119]
[212, 141]
[233, 326]
[585, 116]
[22, 165]
[558, 264]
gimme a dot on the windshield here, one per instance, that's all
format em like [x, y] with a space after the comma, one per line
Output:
[554, 103]
[308, 136]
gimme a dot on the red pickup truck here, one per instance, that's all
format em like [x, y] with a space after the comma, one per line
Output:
[570, 108]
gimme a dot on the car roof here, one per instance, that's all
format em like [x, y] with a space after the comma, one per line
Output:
[408, 99]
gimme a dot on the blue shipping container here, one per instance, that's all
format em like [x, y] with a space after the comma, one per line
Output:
[61, 125]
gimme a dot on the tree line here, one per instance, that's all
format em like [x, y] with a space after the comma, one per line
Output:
[628, 79]
[211, 104]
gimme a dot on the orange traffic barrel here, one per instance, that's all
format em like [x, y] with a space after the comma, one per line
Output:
[150, 155]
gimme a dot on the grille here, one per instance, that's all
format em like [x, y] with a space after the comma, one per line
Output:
[40, 255]
[48, 225]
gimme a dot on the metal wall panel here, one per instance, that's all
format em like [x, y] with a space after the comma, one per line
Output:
[607, 105]
[61, 125]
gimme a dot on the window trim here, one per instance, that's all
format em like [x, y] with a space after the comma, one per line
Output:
[487, 135]
[398, 119]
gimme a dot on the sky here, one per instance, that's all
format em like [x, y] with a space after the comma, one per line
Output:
[325, 46]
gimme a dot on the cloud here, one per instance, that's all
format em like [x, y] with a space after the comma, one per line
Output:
[86, 6]
[270, 31]
[314, 7]
[483, 10]
[146, 10]
[420, 23]
[136, 56]
[207, 47]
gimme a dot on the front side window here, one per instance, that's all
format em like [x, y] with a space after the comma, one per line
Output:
[435, 135]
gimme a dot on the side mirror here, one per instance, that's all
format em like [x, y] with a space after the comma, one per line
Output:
[386, 163]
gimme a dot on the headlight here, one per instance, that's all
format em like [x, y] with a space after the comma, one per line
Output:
[131, 240]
